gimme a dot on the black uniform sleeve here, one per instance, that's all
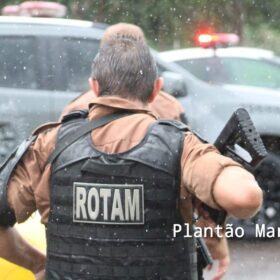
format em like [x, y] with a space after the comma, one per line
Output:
[7, 215]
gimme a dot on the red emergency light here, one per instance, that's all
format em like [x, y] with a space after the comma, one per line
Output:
[214, 40]
[35, 8]
[10, 10]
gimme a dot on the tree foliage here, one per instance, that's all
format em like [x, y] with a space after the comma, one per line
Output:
[172, 23]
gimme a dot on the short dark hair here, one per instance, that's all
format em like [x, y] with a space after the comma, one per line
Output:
[125, 67]
[122, 28]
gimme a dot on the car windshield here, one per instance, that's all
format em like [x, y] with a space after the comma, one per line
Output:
[232, 70]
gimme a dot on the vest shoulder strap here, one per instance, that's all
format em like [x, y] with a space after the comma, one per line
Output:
[72, 136]
[181, 126]
[77, 114]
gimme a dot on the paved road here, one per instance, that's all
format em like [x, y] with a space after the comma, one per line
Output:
[259, 260]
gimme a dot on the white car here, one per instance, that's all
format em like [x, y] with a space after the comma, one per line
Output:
[240, 77]
[234, 66]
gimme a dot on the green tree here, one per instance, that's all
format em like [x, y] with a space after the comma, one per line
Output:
[173, 23]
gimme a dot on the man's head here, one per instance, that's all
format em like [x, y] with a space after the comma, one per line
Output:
[122, 29]
[125, 67]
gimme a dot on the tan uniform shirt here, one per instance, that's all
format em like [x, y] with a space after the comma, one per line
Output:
[164, 105]
[29, 186]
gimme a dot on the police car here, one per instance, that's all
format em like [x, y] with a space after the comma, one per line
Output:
[250, 75]
[234, 66]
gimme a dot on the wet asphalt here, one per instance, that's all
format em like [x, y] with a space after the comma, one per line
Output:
[256, 260]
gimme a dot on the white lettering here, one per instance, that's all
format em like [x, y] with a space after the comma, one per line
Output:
[219, 230]
[188, 233]
[197, 232]
[108, 203]
[208, 232]
[93, 193]
[239, 232]
[229, 231]
[176, 228]
[132, 207]
[260, 230]
[105, 193]
[270, 233]
[117, 206]
[81, 197]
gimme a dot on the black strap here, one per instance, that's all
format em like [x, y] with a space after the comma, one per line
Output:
[178, 124]
[71, 137]
[77, 114]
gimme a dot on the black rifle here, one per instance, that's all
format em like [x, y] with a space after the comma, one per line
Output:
[240, 141]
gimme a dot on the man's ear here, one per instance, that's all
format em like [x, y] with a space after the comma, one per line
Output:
[158, 84]
[94, 86]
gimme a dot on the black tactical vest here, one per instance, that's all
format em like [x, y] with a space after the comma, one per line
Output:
[112, 215]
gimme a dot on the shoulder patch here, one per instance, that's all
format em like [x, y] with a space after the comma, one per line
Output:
[77, 114]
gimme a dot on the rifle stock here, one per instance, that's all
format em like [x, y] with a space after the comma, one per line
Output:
[240, 141]
[241, 131]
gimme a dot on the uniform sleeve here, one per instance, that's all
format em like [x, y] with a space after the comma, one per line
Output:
[27, 177]
[201, 164]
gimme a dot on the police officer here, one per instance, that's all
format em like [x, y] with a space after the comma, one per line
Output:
[167, 107]
[110, 185]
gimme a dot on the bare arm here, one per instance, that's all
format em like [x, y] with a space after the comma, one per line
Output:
[237, 191]
[15, 249]
[219, 181]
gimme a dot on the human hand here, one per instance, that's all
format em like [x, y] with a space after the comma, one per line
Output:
[223, 265]
[40, 275]
[39, 266]
[218, 247]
